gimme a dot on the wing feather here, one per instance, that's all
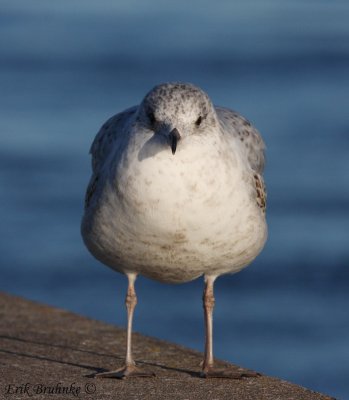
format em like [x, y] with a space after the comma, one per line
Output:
[247, 134]
[110, 131]
[253, 145]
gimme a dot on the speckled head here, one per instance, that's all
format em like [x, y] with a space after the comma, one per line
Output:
[177, 110]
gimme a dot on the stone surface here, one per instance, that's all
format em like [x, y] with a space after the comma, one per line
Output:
[45, 347]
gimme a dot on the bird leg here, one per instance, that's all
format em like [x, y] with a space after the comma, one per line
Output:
[208, 370]
[208, 303]
[129, 369]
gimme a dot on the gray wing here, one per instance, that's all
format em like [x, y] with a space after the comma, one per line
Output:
[254, 146]
[111, 130]
[247, 134]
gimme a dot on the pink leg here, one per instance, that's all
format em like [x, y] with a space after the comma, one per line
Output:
[208, 370]
[130, 369]
[208, 303]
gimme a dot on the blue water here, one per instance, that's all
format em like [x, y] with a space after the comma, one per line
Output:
[65, 67]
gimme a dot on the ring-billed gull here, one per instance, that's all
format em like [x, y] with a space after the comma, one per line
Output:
[176, 192]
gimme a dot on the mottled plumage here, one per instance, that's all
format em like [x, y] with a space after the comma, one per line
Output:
[176, 192]
[248, 135]
[234, 123]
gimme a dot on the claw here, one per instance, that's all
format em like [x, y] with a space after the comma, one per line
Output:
[128, 371]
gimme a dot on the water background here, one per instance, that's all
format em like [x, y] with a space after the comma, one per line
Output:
[65, 67]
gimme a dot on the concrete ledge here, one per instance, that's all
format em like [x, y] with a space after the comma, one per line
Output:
[45, 347]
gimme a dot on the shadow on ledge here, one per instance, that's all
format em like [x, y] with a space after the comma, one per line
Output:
[45, 350]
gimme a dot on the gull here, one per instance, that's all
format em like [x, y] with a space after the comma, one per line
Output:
[176, 192]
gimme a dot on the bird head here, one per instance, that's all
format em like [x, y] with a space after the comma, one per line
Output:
[176, 111]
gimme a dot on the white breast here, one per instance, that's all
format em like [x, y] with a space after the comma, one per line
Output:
[175, 217]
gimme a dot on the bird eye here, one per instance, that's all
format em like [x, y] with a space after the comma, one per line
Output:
[198, 121]
[151, 117]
